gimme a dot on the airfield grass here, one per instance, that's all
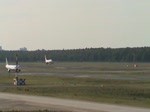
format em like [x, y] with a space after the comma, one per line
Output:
[133, 92]
[115, 91]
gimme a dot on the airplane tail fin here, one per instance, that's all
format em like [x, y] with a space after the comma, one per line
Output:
[6, 62]
[45, 58]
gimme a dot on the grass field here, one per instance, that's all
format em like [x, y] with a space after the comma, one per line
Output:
[116, 91]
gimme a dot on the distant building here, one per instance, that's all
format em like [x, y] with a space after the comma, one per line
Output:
[1, 48]
[23, 49]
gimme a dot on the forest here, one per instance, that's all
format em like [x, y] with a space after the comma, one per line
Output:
[139, 54]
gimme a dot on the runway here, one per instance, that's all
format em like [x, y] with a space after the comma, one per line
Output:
[25, 102]
[101, 76]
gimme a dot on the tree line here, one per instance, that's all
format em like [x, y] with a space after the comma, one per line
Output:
[141, 54]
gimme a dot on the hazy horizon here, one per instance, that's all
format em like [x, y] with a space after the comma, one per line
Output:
[74, 24]
[74, 48]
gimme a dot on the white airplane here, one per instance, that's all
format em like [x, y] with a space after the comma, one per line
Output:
[15, 68]
[48, 61]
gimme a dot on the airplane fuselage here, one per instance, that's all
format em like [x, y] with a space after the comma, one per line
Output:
[48, 61]
[15, 68]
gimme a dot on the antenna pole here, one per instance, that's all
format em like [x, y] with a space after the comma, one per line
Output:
[16, 71]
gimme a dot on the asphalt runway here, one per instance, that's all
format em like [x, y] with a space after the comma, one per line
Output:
[142, 72]
[25, 102]
[101, 76]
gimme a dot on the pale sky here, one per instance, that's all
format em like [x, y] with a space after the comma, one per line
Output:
[73, 24]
